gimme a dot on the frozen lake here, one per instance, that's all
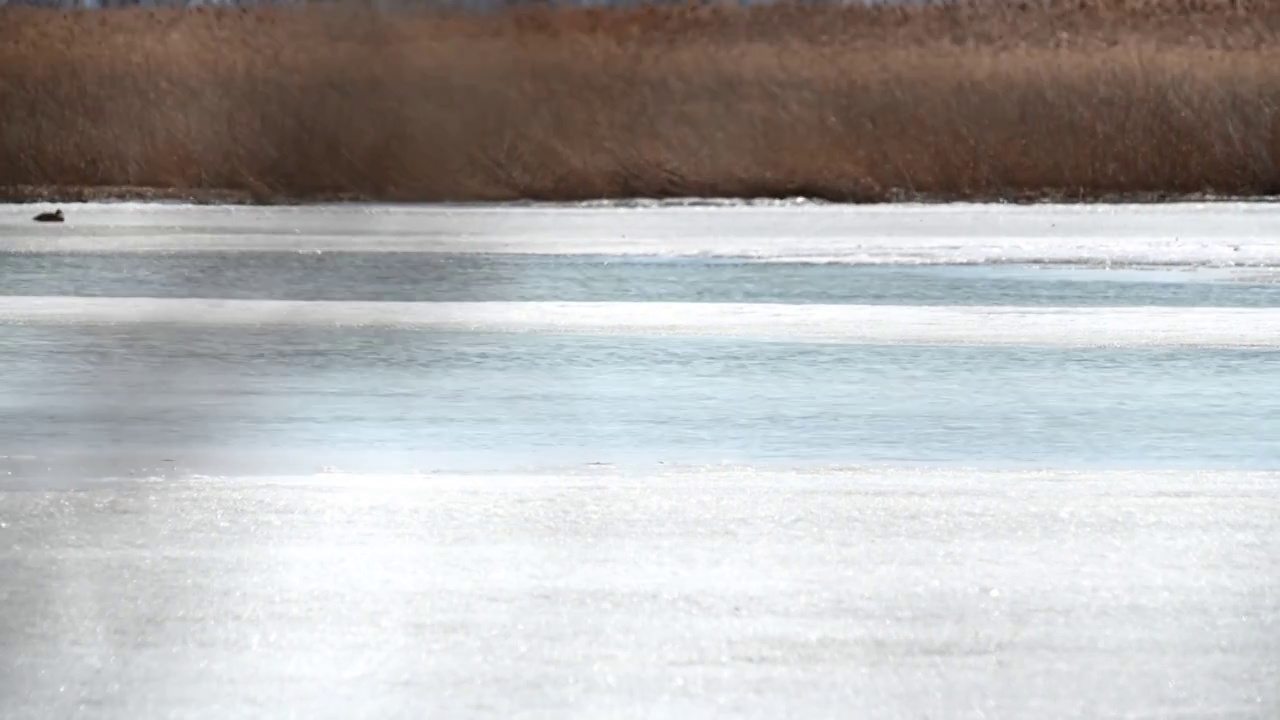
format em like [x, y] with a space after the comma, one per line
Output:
[689, 461]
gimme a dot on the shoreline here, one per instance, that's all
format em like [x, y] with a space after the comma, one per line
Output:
[1073, 102]
[68, 195]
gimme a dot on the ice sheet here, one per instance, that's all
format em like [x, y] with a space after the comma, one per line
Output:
[879, 324]
[1189, 234]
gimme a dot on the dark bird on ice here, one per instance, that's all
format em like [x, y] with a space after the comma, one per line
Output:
[55, 216]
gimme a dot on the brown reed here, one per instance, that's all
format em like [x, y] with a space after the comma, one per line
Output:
[974, 100]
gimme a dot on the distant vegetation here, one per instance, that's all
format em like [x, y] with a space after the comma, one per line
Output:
[969, 100]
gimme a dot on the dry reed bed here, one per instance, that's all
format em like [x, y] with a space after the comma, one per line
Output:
[1101, 98]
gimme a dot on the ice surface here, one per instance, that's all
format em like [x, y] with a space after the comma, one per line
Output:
[786, 590]
[691, 593]
[877, 324]
[1212, 234]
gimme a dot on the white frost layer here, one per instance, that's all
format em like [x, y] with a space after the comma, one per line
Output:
[873, 324]
[1190, 234]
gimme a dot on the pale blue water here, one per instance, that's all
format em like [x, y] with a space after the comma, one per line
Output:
[275, 395]
[404, 399]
